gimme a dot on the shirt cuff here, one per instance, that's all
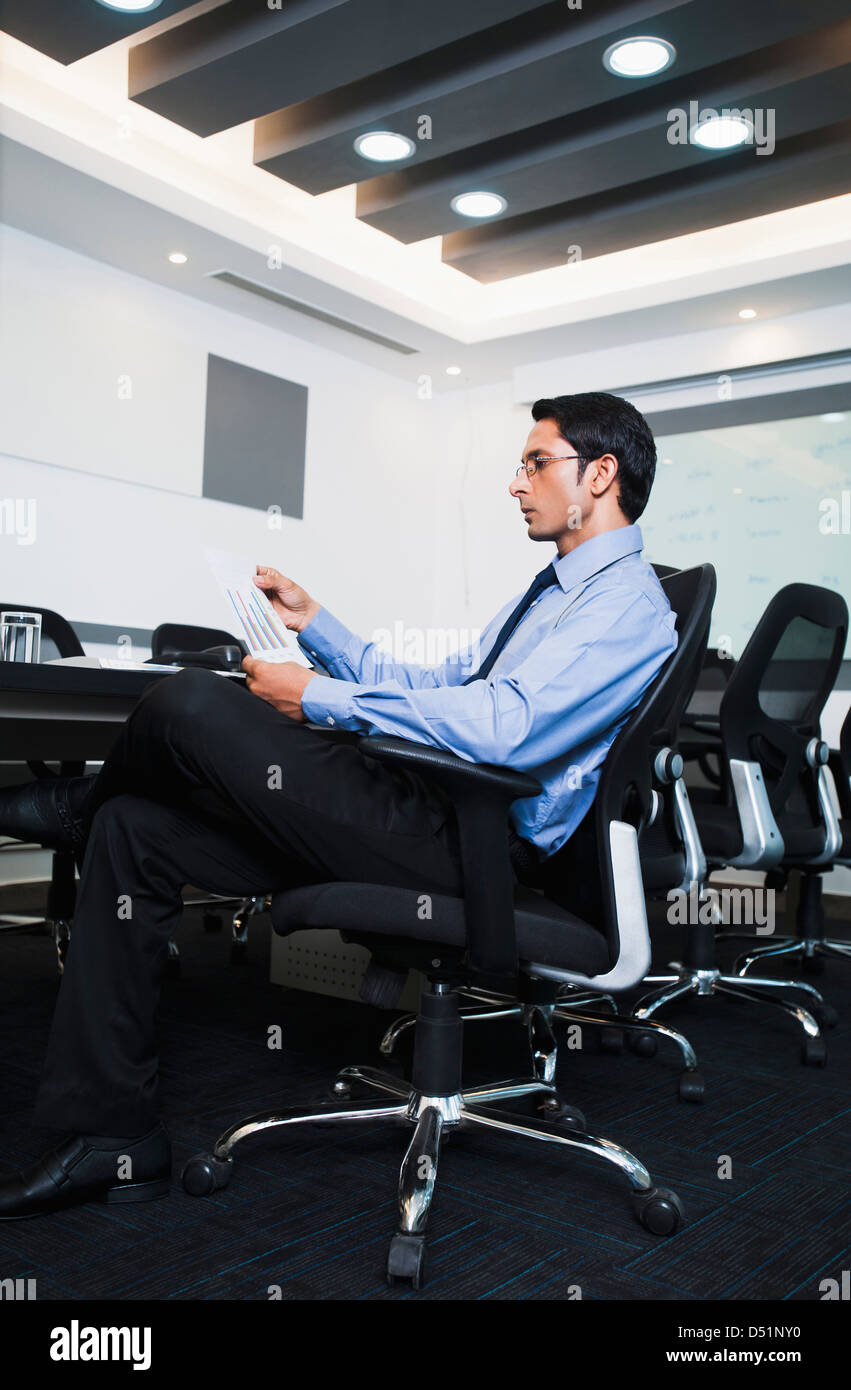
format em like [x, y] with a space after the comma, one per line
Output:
[328, 701]
[326, 639]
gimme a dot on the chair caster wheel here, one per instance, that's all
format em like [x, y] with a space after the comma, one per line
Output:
[813, 965]
[563, 1116]
[211, 921]
[644, 1044]
[238, 952]
[691, 1086]
[814, 1052]
[828, 1016]
[340, 1090]
[204, 1174]
[406, 1259]
[611, 1041]
[659, 1210]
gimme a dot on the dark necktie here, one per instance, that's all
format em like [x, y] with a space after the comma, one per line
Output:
[541, 582]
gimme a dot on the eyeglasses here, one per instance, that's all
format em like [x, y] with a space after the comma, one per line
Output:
[531, 468]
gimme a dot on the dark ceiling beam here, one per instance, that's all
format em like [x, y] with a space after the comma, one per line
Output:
[524, 74]
[67, 30]
[803, 80]
[245, 60]
[498, 79]
[804, 169]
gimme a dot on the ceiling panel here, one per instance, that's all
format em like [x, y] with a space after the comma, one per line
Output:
[524, 75]
[514, 75]
[244, 60]
[70, 29]
[803, 170]
[518, 102]
[805, 82]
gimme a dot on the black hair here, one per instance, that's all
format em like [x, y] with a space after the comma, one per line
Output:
[596, 423]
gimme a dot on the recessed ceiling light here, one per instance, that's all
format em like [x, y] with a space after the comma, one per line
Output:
[747, 313]
[384, 146]
[640, 56]
[131, 6]
[737, 490]
[479, 204]
[714, 132]
[833, 417]
[453, 371]
[177, 258]
[667, 460]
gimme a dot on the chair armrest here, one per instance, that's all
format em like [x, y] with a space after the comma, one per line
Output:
[481, 795]
[450, 771]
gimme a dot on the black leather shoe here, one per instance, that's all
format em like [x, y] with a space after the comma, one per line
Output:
[86, 1169]
[47, 812]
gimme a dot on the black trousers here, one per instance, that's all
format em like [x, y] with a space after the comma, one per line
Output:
[210, 786]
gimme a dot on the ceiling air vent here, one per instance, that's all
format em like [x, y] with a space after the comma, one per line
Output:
[240, 282]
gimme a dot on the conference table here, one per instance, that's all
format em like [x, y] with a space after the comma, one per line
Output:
[65, 713]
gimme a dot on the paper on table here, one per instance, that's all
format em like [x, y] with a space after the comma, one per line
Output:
[251, 616]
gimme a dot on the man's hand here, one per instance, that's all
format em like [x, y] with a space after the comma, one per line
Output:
[279, 683]
[291, 602]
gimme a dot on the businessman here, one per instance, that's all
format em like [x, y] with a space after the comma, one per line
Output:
[225, 787]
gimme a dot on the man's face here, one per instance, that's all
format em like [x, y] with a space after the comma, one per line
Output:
[552, 500]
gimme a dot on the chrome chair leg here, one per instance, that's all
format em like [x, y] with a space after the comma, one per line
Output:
[509, 1090]
[787, 947]
[583, 999]
[419, 1171]
[642, 1028]
[634, 1170]
[673, 988]
[205, 1173]
[542, 1042]
[764, 982]
[732, 986]
[371, 1077]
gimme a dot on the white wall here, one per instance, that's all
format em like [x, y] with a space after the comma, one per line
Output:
[121, 527]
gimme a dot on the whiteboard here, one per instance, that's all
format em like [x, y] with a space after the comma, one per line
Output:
[767, 504]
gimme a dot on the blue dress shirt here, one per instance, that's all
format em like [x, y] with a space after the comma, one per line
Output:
[577, 663]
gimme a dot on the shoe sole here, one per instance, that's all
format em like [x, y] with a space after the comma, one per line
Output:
[127, 1192]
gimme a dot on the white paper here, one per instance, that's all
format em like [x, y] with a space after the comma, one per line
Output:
[251, 616]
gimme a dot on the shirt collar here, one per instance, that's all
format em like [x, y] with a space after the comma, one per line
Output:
[596, 554]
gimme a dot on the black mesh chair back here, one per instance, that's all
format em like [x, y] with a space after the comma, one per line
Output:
[771, 708]
[170, 638]
[58, 638]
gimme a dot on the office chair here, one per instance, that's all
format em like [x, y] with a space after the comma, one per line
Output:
[663, 867]
[832, 771]
[170, 638]
[497, 935]
[770, 812]
[699, 738]
[58, 639]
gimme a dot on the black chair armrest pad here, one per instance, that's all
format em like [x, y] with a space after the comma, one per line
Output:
[455, 774]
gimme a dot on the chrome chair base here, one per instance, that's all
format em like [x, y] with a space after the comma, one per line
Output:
[570, 1000]
[750, 989]
[809, 951]
[432, 1119]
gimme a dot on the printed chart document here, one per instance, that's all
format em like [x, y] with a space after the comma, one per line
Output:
[251, 616]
